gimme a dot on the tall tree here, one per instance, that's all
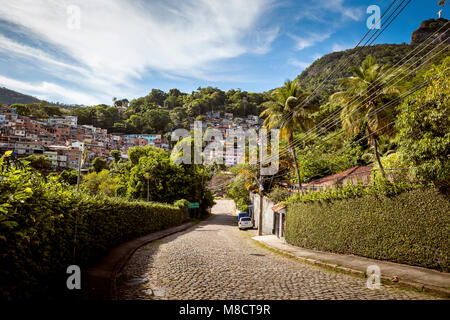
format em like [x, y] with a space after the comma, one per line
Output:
[288, 111]
[363, 95]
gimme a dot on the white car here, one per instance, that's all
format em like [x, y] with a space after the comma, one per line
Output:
[245, 223]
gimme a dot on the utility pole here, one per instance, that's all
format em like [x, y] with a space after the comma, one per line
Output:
[261, 189]
[81, 161]
[79, 171]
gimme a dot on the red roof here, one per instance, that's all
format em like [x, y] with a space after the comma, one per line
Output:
[278, 207]
[355, 171]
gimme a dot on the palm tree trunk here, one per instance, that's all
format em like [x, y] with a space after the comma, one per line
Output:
[377, 155]
[294, 155]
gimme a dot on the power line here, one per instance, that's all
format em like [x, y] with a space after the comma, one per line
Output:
[379, 109]
[291, 113]
[296, 141]
[397, 63]
[329, 118]
[415, 89]
[348, 58]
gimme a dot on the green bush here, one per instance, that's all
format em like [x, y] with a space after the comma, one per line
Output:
[237, 191]
[411, 227]
[278, 195]
[182, 203]
[378, 186]
[243, 208]
[45, 226]
[423, 128]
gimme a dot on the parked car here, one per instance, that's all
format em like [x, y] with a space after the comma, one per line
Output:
[245, 223]
[242, 214]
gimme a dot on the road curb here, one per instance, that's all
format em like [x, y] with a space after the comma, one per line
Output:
[443, 292]
[100, 281]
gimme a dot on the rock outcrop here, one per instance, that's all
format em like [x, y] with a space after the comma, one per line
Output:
[428, 27]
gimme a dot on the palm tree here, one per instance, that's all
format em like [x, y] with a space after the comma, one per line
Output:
[364, 93]
[288, 112]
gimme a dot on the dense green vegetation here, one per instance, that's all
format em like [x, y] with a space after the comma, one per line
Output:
[320, 70]
[411, 227]
[288, 111]
[367, 123]
[45, 226]
[41, 110]
[423, 128]
[157, 112]
[364, 94]
[149, 175]
[160, 112]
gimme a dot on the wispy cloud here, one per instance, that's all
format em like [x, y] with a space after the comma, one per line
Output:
[44, 90]
[298, 63]
[319, 10]
[302, 42]
[263, 40]
[341, 47]
[120, 42]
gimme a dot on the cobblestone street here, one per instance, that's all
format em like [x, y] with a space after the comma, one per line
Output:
[215, 260]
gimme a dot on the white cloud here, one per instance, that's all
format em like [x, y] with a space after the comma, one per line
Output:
[264, 40]
[319, 10]
[298, 63]
[308, 41]
[121, 41]
[44, 90]
[340, 47]
[8, 46]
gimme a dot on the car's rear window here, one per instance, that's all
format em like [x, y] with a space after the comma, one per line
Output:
[245, 219]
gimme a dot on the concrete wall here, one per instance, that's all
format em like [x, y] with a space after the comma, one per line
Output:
[268, 214]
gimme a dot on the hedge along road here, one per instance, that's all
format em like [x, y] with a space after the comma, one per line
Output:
[215, 260]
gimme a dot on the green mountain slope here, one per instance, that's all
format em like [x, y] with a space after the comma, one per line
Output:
[8, 97]
[320, 70]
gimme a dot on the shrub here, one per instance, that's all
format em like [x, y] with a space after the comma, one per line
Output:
[69, 176]
[423, 126]
[278, 195]
[393, 160]
[46, 226]
[411, 227]
[182, 203]
[243, 208]
[100, 183]
[237, 191]
[378, 186]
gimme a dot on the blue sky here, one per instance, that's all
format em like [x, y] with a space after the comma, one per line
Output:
[123, 49]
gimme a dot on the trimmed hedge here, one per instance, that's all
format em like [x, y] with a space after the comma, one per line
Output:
[38, 220]
[412, 227]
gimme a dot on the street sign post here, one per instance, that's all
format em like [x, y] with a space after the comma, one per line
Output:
[193, 209]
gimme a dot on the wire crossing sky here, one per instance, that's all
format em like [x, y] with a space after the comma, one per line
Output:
[87, 52]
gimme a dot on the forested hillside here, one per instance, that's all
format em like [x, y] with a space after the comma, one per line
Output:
[320, 70]
[161, 111]
[8, 96]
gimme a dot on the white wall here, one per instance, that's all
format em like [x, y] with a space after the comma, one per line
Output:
[268, 214]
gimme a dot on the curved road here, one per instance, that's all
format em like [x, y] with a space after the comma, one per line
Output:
[214, 260]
